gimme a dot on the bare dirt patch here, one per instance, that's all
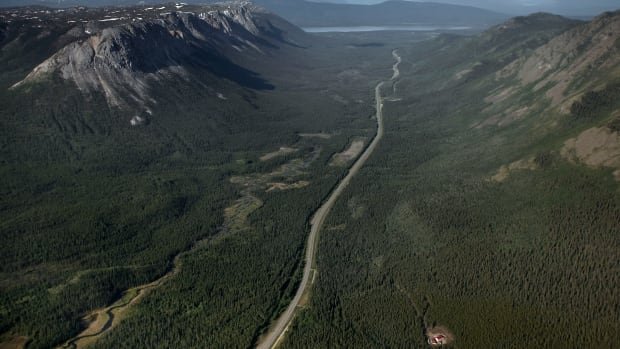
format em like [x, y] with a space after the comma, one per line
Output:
[438, 336]
[236, 215]
[501, 95]
[505, 118]
[355, 148]
[504, 172]
[596, 147]
[280, 152]
[18, 342]
[287, 186]
[461, 74]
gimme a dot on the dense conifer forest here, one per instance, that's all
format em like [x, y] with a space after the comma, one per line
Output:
[429, 234]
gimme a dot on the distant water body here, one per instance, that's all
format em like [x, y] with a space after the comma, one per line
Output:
[413, 28]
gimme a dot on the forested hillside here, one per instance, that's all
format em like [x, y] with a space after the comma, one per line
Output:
[491, 210]
[99, 197]
[161, 165]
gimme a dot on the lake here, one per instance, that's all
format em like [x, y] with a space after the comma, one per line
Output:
[414, 28]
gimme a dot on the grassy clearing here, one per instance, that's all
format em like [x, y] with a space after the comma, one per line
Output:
[353, 151]
[280, 152]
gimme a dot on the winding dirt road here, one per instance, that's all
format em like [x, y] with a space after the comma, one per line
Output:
[271, 338]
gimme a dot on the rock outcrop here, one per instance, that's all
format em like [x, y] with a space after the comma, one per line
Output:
[123, 60]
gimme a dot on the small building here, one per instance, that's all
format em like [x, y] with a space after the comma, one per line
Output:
[438, 339]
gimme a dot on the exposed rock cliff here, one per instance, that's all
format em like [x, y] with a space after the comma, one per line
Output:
[122, 60]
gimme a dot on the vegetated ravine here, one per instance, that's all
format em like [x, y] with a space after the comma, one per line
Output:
[280, 326]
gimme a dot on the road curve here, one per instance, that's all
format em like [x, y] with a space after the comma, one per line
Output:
[279, 327]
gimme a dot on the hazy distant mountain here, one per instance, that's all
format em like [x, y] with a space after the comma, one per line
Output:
[306, 13]
[123, 53]
[574, 8]
[567, 7]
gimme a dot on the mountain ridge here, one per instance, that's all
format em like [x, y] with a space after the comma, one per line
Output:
[99, 193]
[392, 12]
[122, 60]
[564, 85]
[560, 67]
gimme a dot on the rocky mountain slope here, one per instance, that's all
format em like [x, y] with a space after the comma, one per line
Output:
[122, 54]
[575, 76]
[118, 142]
[571, 58]
[555, 77]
